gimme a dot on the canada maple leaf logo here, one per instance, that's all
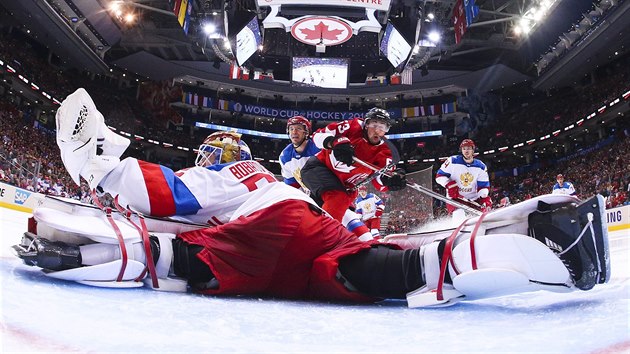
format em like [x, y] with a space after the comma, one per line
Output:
[321, 31]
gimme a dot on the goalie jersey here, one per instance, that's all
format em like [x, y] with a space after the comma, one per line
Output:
[209, 195]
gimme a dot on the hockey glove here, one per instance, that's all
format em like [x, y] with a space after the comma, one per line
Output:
[453, 190]
[341, 148]
[486, 203]
[397, 181]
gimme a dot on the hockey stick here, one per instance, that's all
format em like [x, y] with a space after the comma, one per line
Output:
[377, 173]
[422, 189]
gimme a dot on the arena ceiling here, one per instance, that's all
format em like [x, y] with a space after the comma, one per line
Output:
[489, 55]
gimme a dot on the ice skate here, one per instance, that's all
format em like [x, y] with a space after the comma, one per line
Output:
[46, 254]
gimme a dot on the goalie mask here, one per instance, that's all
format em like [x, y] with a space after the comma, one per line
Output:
[222, 147]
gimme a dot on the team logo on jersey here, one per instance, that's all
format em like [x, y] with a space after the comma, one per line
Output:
[321, 30]
[466, 179]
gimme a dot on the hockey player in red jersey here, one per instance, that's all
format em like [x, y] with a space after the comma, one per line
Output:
[332, 175]
[278, 243]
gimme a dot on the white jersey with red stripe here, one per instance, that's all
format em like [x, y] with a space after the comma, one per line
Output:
[471, 178]
[213, 195]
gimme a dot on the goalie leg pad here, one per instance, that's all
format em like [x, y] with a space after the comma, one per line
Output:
[578, 235]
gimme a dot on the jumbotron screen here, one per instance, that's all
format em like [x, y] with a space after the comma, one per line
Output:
[394, 47]
[320, 72]
[247, 41]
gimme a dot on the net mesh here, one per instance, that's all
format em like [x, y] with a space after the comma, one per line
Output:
[408, 209]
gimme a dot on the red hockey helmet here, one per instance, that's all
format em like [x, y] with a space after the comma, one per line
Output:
[467, 142]
[299, 120]
[362, 188]
[559, 176]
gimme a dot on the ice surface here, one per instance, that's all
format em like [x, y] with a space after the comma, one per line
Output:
[41, 314]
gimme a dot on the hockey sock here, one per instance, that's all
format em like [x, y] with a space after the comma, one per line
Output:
[383, 272]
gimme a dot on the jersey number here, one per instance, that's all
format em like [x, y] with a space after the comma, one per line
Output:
[258, 180]
[343, 127]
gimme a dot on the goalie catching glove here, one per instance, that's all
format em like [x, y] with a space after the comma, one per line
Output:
[88, 147]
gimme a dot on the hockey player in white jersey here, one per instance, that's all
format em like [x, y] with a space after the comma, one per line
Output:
[562, 186]
[272, 240]
[371, 208]
[294, 155]
[464, 176]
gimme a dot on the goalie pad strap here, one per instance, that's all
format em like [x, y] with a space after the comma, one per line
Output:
[144, 234]
[446, 257]
[121, 241]
[473, 257]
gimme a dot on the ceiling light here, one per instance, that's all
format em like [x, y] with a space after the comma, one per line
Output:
[434, 36]
[209, 28]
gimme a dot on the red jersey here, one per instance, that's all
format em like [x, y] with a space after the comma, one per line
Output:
[378, 155]
[286, 250]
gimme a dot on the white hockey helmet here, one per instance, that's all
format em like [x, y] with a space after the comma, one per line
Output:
[222, 147]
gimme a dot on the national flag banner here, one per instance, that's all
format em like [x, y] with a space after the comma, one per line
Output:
[186, 24]
[182, 12]
[626, 95]
[195, 100]
[178, 3]
[382, 79]
[555, 133]
[601, 109]
[431, 110]
[459, 20]
[265, 76]
[437, 109]
[395, 79]
[368, 80]
[472, 11]
[409, 112]
[423, 111]
[206, 102]
[235, 71]
[188, 97]
[407, 77]
[580, 122]
[223, 105]
[244, 74]
[501, 149]
[530, 141]
[448, 107]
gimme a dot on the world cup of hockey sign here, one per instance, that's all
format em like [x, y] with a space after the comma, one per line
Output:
[381, 5]
[321, 30]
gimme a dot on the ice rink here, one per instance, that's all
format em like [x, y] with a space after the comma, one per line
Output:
[41, 314]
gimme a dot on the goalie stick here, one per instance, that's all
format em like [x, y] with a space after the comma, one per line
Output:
[467, 206]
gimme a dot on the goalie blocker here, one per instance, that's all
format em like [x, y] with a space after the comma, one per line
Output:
[556, 245]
